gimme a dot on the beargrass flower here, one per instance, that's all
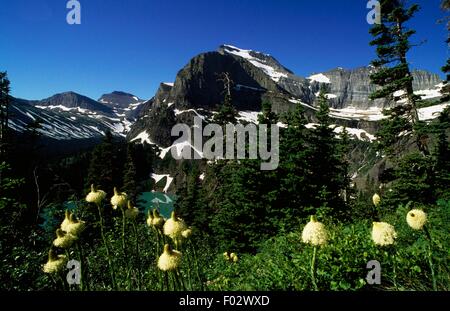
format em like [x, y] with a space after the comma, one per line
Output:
[55, 262]
[226, 256]
[75, 226]
[66, 221]
[174, 227]
[416, 219]
[187, 233]
[157, 220]
[170, 259]
[131, 212]
[63, 239]
[383, 233]
[95, 196]
[314, 233]
[234, 257]
[376, 199]
[149, 219]
[119, 199]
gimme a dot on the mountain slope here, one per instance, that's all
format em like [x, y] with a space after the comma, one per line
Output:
[69, 115]
[197, 91]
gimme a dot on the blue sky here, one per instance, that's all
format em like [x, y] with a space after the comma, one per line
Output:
[133, 45]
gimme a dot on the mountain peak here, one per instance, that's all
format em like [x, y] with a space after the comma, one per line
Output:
[267, 63]
[71, 99]
[119, 99]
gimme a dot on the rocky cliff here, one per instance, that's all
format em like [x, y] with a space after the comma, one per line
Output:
[256, 77]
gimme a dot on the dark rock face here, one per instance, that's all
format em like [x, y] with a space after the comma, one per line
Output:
[119, 99]
[73, 100]
[353, 87]
[123, 104]
[257, 77]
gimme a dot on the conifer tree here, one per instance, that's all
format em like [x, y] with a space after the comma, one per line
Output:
[344, 149]
[392, 73]
[227, 113]
[441, 156]
[328, 175]
[130, 175]
[267, 116]
[295, 167]
[105, 169]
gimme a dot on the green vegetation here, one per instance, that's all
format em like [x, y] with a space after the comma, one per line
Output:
[235, 226]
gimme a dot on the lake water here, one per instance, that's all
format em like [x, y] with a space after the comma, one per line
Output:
[150, 200]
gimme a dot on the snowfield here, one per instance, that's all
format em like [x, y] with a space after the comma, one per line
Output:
[269, 70]
[159, 177]
[320, 77]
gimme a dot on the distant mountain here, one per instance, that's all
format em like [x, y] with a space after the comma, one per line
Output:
[70, 100]
[119, 99]
[198, 91]
[256, 76]
[56, 124]
[123, 103]
[71, 116]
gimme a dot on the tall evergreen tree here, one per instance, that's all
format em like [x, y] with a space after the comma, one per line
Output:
[392, 74]
[227, 113]
[295, 168]
[328, 175]
[130, 175]
[105, 169]
[344, 149]
[441, 156]
[189, 203]
[267, 116]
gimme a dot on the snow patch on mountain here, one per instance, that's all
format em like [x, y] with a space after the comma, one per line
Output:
[249, 116]
[159, 177]
[432, 112]
[143, 137]
[353, 132]
[274, 74]
[178, 112]
[320, 77]
[179, 148]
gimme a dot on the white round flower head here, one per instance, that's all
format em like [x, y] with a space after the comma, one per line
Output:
[234, 257]
[170, 259]
[119, 199]
[149, 219]
[66, 221]
[187, 233]
[226, 256]
[63, 239]
[314, 233]
[157, 221]
[376, 199]
[383, 233]
[131, 212]
[174, 227]
[416, 219]
[55, 263]
[95, 196]
[75, 227]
